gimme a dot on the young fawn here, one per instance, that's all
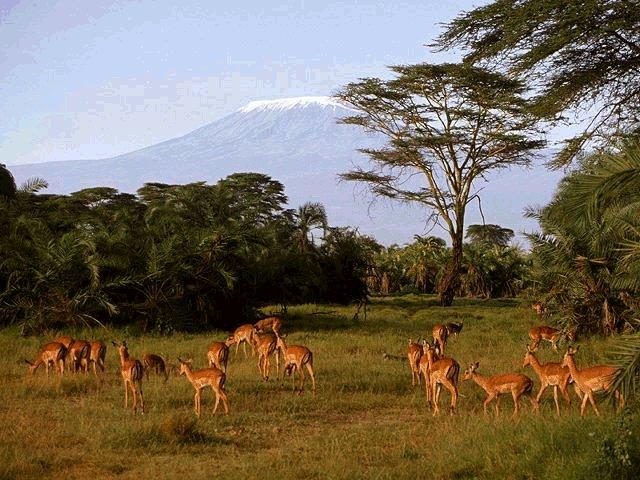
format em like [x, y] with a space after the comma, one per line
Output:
[551, 374]
[200, 379]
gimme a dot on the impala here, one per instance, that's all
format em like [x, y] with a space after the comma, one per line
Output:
[443, 371]
[423, 368]
[243, 334]
[414, 352]
[65, 340]
[440, 334]
[514, 383]
[543, 332]
[270, 323]
[266, 345]
[78, 355]
[592, 379]
[97, 354]
[200, 379]
[295, 358]
[50, 353]
[551, 374]
[132, 373]
[218, 355]
[155, 363]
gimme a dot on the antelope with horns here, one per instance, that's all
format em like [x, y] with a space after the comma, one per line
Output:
[208, 377]
[551, 374]
[132, 373]
[514, 383]
[414, 352]
[592, 379]
[50, 353]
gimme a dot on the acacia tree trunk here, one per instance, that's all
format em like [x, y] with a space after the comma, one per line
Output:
[449, 281]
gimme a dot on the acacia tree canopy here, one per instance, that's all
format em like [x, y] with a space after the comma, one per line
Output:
[582, 57]
[447, 124]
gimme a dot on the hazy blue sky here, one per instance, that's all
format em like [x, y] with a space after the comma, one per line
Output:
[91, 79]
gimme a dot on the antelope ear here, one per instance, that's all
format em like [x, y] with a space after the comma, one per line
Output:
[575, 350]
[477, 364]
[114, 343]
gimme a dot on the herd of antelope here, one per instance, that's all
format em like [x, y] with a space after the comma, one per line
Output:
[263, 337]
[428, 363]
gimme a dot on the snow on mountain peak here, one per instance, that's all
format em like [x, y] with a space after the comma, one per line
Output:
[290, 103]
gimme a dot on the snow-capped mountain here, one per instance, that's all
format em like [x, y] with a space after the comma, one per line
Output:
[297, 141]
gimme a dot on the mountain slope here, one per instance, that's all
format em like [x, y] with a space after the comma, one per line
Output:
[297, 141]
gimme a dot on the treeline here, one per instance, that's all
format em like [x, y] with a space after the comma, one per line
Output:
[170, 257]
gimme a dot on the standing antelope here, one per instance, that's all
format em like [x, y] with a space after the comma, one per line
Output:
[440, 334]
[414, 352]
[78, 354]
[295, 358]
[65, 340]
[132, 373]
[266, 345]
[514, 383]
[218, 355]
[155, 363]
[97, 354]
[243, 334]
[50, 353]
[543, 332]
[454, 328]
[592, 379]
[550, 374]
[443, 371]
[270, 323]
[200, 379]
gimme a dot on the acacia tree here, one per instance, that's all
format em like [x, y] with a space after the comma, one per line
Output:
[583, 57]
[449, 124]
[489, 233]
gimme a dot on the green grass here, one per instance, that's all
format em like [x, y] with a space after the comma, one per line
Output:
[366, 420]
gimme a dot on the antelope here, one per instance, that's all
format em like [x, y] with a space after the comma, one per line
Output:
[266, 345]
[454, 328]
[156, 363]
[414, 352]
[200, 379]
[295, 358]
[270, 323]
[423, 368]
[592, 379]
[515, 383]
[243, 334]
[97, 353]
[440, 334]
[543, 332]
[218, 355]
[50, 353]
[443, 371]
[78, 354]
[132, 373]
[550, 374]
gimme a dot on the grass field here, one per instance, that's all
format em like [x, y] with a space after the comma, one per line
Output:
[366, 420]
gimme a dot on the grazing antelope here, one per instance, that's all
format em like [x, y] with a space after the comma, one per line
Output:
[539, 308]
[50, 353]
[266, 345]
[443, 371]
[295, 358]
[592, 379]
[454, 328]
[78, 355]
[243, 334]
[155, 363]
[414, 352]
[550, 334]
[97, 354]
[270, 323]
[218, 355]
[200, 379]
[514, 383]
[551, 374]
[132, 373]
[440, 334]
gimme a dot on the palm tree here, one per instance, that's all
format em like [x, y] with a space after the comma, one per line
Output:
[311, 216]
[7, 183]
